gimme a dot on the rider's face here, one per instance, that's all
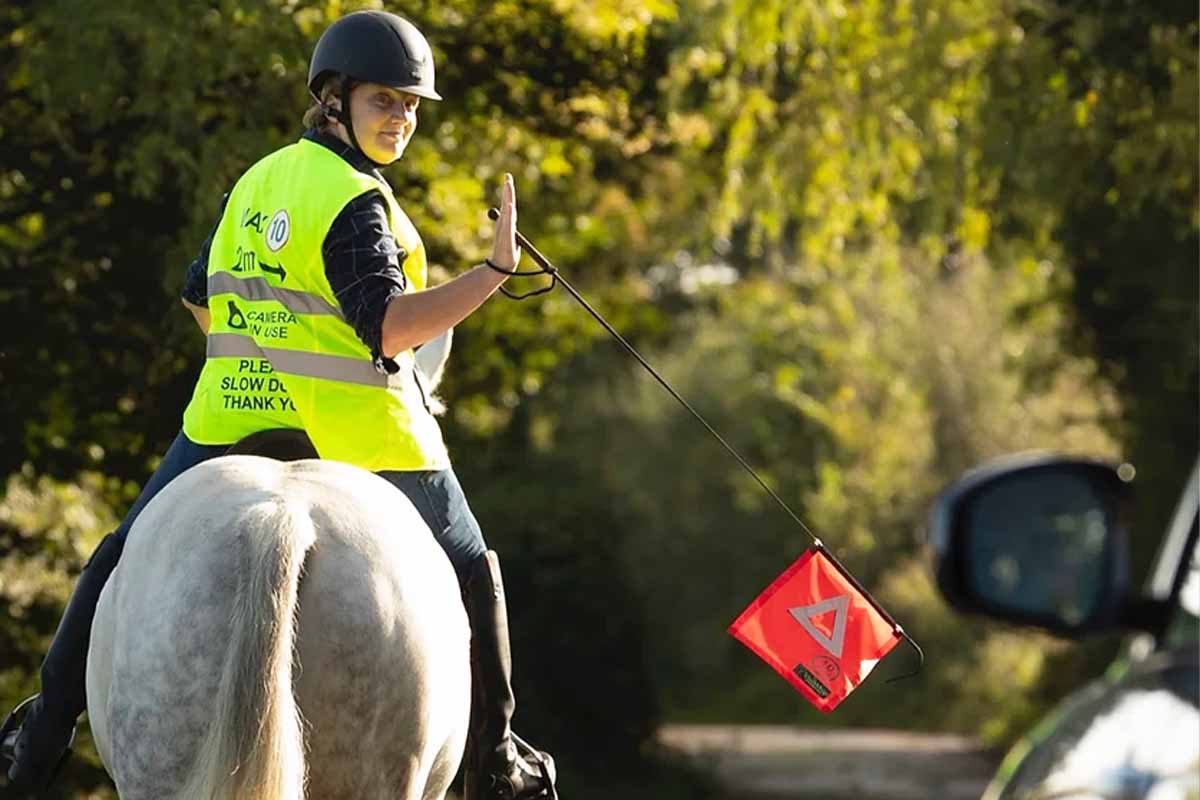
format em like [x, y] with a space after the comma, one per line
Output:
[384, 120]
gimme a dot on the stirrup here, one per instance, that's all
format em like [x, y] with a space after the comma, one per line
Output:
[11, 729]
[531, 755]
[10, 732]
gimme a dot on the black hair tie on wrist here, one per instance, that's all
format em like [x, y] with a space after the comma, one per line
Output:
[523, 273]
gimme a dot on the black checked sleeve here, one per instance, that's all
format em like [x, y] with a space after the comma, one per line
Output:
[195, 283]
[363, 267]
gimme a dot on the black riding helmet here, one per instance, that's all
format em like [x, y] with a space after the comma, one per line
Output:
[371, 47]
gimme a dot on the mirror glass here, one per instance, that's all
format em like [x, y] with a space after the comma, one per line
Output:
[1037, 544]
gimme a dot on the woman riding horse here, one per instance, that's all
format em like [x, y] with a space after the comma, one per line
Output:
[311, 292]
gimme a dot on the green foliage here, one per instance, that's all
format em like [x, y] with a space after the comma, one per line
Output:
[993, 674]
[873, 242]
[1097, 117]
[838, 123]
[47, 531]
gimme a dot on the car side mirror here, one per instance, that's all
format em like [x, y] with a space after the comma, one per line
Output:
[1035, 540]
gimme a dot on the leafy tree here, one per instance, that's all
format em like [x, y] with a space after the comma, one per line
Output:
[1095, 119]
[856, 416]
[47, 529]
[859, 237]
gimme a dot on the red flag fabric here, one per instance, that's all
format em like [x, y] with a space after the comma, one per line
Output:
[816, 630]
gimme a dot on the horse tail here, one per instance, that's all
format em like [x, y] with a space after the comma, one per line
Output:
[254, 747]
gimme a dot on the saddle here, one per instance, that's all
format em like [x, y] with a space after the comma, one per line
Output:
[281, 444]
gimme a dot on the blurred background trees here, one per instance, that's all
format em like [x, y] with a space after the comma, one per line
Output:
[874, 242]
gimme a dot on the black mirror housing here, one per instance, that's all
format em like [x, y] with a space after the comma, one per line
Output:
[1035, 540]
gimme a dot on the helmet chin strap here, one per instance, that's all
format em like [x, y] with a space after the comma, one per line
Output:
[343, 116]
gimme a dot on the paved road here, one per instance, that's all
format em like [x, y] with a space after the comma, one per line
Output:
[763, 762]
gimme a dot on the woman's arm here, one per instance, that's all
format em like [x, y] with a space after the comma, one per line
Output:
[412, 319]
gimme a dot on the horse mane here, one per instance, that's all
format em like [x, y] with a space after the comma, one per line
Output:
[431, 360]
[432, 356]
[256, 724]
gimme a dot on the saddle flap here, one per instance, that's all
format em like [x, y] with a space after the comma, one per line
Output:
[281, 444]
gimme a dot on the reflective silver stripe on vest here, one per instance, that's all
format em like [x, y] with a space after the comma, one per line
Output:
[258, 289]
[294, 362]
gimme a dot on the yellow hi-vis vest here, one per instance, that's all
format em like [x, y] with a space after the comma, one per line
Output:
[280, 354]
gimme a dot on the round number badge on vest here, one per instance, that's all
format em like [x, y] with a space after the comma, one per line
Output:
[278, 231]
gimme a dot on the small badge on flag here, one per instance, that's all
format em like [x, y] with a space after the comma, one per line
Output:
[817, 629]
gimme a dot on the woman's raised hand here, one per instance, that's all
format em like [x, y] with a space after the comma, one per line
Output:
[505, 253]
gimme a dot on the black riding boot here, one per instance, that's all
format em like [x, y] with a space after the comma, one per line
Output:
[499, 764]
[39, 746]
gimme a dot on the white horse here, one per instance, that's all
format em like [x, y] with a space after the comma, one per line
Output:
[275, 631]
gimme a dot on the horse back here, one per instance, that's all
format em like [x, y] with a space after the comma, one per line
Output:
[380, 660]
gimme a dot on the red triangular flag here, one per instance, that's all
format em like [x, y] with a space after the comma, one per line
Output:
[816, 630]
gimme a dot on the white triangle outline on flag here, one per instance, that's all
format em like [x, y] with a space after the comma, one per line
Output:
[840, 605]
